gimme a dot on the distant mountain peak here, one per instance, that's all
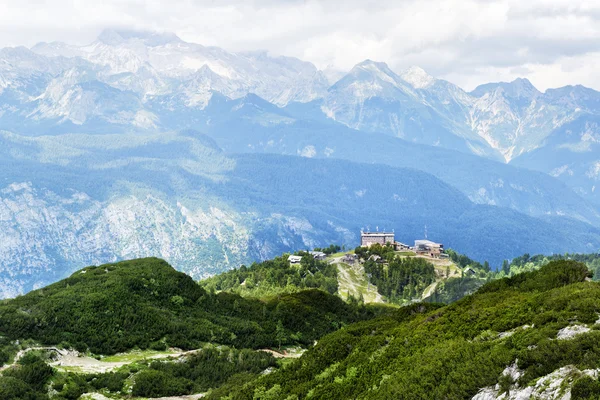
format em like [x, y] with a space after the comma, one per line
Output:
[369, 70]
[524, 85]
[520, 87]
[117, 36]
[417, 77]
[371, 65]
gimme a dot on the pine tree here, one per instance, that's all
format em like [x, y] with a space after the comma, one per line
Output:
[280, 335]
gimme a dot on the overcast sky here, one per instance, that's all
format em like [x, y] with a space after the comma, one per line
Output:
[468, 42]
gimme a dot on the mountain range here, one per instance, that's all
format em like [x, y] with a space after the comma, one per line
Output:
[141, 144]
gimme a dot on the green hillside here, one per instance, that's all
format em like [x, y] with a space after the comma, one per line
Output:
[276, 276]
[145, 303]
[401, 279]
[536, 322]
[533, 335]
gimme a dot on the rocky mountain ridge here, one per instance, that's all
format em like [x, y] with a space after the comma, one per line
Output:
[497, 120]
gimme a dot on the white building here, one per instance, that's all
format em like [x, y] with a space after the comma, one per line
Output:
[294, 259]
[370, 238]
[427, 247]
[318, 255]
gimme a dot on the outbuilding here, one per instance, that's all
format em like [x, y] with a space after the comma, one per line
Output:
[294, 259]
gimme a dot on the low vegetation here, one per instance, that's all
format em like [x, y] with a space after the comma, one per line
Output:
[207, 369]
[277, 276]
[427, 351]
[146, 304]
[541, 317]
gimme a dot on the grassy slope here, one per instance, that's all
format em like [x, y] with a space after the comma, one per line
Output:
[353, 282]
[444, 269]
[277, 276]
[424, 351]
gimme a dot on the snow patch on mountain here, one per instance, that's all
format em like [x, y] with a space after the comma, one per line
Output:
[308, 151]
[417, 77]
[594, 171]
[145, 119]
[277, 79]
[564, 169]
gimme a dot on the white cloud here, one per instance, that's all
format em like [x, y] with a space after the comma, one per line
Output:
[551, 42]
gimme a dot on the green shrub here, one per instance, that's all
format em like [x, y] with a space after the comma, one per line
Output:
[113, 381]
[35, 374]
[585, 388]
[153, 383]
[15, 389]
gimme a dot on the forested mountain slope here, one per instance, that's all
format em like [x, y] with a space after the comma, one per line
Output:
[250, 125]
[140, 303]
[533, 334]
[73, 200]
[502, 339]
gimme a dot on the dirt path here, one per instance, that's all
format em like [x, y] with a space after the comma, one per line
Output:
[285, 354]
[429, 290]
[21, 353]
[81, 363]
[98, 396]
[72, 360]
[86, 364]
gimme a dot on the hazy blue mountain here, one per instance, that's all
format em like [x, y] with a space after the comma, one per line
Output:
[253, 125]
[371, 97]
[143, 144]
[166, 82]
[172, 61]
[71, 200]
[497, 120]
[571, 154]
[517, 118]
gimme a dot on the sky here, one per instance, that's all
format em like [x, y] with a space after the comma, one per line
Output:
[468, 42]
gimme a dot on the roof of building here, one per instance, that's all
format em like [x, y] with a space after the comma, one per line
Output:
[294, 258]
[426, 242]
[377, 233]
